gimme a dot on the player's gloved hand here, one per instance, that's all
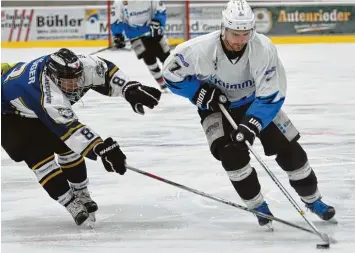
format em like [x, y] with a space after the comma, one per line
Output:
[111, 155]
[155, 28]
[139, 95]
[208, 97]
[119, 42]
[248, 129]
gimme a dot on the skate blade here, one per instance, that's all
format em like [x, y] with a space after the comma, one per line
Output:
[332, 221]
[90, 221]
[92, 217]
[269, 227]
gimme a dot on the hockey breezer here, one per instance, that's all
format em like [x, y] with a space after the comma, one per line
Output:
[38, 122]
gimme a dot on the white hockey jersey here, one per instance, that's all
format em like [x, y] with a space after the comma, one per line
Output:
[258, 77]
[133, 17]
[29, 92]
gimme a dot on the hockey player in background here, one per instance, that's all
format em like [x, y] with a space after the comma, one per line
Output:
[37, 122]
[142, 22]
[243, 66]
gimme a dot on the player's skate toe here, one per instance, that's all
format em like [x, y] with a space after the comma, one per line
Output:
[78, 211]
[322, 210]
[91, 206]
[81, 217]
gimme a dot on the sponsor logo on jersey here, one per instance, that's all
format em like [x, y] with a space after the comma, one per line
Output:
[185, 63]
[100, 69]
[215, 63]
[137, 13]
[272, 69]
[33, 69]
[232, 86]
[47, 91]
[270, 72]
[66, 113]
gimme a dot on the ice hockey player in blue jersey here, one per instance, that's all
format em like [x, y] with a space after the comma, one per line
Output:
[244, 66]
[37, 122]
[142, 22]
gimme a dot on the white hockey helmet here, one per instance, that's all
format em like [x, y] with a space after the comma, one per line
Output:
[238, 15]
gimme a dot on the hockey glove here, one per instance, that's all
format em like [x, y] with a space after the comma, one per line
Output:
[139, 95]
[208, 97]
[119, 42]
[248, 129]
[155, 28]
[111, 155]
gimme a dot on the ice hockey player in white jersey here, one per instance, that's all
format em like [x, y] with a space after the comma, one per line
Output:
[37, 122]
[243, 66]
[142, 22]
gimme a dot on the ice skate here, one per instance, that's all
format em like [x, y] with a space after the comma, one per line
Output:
[322, 210]
[78, 211]
[84, 196]
[264, 208]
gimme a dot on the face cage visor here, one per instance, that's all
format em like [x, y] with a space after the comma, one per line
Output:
[71, 87]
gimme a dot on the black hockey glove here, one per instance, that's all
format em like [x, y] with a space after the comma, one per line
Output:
[248, 129]
[208, 97]
[119, 42]
[155, 28]
[111, 155]
[138, 95]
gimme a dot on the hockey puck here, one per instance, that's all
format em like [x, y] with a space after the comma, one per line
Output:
[323, 246]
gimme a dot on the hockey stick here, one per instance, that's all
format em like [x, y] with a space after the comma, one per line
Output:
[323, 236]
[123, 48]
[101, 50]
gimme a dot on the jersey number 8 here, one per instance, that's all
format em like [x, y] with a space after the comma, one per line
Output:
[118, 81]
[87, 133]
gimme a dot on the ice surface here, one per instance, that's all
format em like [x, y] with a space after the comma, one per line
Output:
[139, 214]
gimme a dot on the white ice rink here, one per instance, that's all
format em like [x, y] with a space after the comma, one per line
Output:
[139, 214]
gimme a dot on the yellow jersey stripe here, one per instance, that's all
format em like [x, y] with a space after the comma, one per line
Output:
[73, 164]
[91, 146]
[51, 176]
[42, 162]
[70, 131]
[112, 71]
